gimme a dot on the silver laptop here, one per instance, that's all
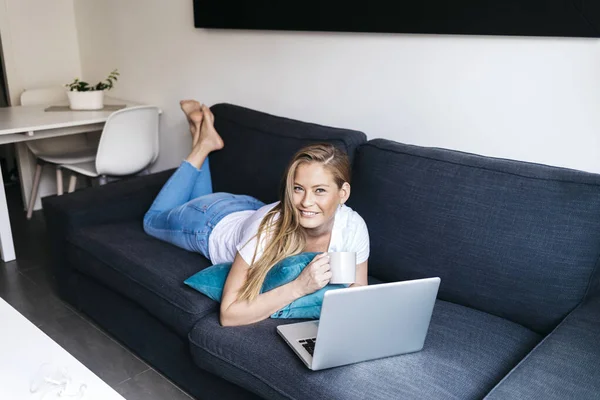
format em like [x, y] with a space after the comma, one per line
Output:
[365, 323]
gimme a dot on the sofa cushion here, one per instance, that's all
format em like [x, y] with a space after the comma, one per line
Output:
[564, 365]
[466, 353]
[514, 239]
[264, 144]
[123, 200]
[211, 281]
[150, 272]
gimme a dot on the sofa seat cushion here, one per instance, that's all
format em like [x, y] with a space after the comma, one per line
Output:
[146, 270]
[466, 353]
[564, 365]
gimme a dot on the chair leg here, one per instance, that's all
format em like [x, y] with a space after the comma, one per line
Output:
[72, 183]
[59, 181]
[34, 189]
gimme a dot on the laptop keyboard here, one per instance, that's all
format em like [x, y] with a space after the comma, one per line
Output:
[308, 344]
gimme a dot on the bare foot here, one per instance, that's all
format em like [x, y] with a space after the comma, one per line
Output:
[193, 112]
[209, 138]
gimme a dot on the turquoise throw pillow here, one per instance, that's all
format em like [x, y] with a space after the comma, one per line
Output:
[210, 282]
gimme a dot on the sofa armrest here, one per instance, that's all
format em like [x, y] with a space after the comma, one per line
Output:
[564, 365]
[120, 201]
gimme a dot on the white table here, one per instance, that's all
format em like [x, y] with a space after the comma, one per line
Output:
[24, 348]
[23, 123]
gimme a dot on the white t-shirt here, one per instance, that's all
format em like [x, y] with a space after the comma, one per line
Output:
[237, 232]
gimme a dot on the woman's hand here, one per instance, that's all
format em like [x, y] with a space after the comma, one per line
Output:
[314, 276]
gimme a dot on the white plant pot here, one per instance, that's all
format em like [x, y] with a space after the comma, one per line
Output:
[93, 100]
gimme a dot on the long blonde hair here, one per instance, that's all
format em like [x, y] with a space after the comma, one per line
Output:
[287, 236]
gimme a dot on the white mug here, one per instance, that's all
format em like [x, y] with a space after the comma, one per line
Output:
[343, 266]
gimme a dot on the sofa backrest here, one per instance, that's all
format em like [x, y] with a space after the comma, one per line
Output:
[259, 146]
[515, 239]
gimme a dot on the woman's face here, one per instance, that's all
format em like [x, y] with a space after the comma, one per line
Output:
[317, 197]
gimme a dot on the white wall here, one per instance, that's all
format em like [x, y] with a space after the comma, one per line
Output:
[535, 99]
[39, 43]
[40, 48]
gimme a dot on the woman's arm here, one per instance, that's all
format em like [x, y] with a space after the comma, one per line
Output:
[362, 279]
[235, 312]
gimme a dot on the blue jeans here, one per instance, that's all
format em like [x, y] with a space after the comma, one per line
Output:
[186, 210]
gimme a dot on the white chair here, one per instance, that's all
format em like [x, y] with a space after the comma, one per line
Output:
[54, 151]
[128, 146]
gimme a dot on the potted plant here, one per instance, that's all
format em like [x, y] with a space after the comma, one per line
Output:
[83, 96]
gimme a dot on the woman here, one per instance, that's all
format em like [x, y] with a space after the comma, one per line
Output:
[224, 227]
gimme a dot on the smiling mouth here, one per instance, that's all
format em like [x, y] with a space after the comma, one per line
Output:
[308, 213]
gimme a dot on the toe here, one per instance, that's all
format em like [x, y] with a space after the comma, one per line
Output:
[189, 106]
[196, 117]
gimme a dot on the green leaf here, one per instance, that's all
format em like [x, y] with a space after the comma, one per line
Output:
[82, 86]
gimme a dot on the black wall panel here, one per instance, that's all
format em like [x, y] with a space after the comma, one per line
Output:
[578, 18]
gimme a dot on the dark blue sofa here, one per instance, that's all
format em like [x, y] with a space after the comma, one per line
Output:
[517, 246]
